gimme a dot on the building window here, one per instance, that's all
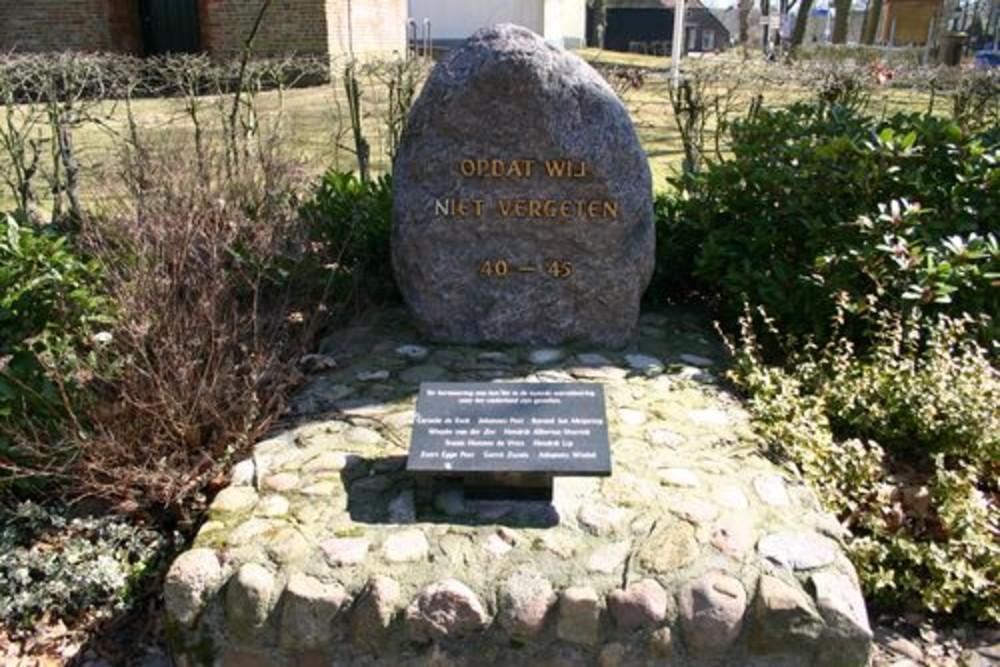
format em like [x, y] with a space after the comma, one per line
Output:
[707, 40]
[692, 44]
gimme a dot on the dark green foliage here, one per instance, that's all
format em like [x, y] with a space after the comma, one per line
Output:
[821, 205]
[50, 308]
[350, 220]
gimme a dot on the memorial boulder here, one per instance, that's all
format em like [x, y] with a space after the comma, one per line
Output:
[522, 205]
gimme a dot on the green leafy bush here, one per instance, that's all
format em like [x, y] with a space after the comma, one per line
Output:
[51, 564]
[350, 224]
[901, 442]
[821, 201]
[50, 309]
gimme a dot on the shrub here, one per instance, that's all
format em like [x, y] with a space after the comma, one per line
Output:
[53, 565]
[350, 220]
[206, 331]
[793, 219]
[901, 443]
[51, 306]
[209, 331]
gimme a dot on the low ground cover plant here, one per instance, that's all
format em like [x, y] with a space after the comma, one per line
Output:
[902, 443]
[56, 566]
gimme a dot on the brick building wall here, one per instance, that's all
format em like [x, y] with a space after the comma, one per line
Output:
[290, 26]
[55, 25]
[313, 27]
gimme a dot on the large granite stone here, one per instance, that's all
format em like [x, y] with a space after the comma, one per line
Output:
[489, 243]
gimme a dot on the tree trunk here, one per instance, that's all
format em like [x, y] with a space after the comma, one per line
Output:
[744, 16]
[872, 18]
[943, 25]
[840, 24]
[801, 22]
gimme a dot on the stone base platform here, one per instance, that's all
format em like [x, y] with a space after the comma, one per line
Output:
[696, 551]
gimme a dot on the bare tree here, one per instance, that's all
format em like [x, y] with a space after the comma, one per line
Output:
[801, 22]
[943, 25]
[744, 18]
[843, 8]
[872, 18]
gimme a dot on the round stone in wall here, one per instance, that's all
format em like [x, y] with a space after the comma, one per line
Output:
[522, 207]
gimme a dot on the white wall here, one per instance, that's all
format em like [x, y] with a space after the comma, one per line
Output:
[561, 22]
[457, 19]
[574, 23]
[552, 21]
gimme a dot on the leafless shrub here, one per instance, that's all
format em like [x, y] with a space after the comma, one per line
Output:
[622, 78]
[976, 100]
[196, 250]
[55, 93]
[847, 86]
[205, 336]
[704, 104]
[378, 95]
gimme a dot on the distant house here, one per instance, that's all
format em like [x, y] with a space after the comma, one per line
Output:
[646, 26]
[149, 27]
[560, 22]
[909, 21]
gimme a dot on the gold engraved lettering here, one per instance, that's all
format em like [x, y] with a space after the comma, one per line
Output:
[555, 168]
[566, 169]
[559, 268]
[458, 208]
[564, 209]
[495, 168]
[494, 268]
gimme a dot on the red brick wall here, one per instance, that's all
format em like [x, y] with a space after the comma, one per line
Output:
[290, 26]
[123, 26]
[56, 25]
